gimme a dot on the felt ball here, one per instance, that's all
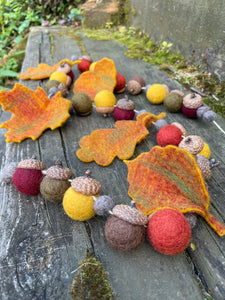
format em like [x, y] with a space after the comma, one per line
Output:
[7, 172]
[102, 205]
[123, 114]
[156, 93]
[169, 135]
[78, 206]
[169, 231]
[71, 74]
[82, 104]
[204, 166]
[201, 110]
[192, 219]
[27, 181]
[160, 124]
[181, 127]
[123, 236]
[209, 116]
[58, 76]
[105, 98]
[52, 91]
[205, 151]
[173, 102]
[92, 66]
[84, 65]
[53, 189]
[188, 112]
[120, 83]
[51, 83]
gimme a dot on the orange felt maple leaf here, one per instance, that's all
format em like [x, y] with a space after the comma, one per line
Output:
[169, 177]
[103, 77]
[103, 145]
[32, 112]
[43, 70]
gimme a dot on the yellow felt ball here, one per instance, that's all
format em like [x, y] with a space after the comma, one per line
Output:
[205, 151]
[78, 206]
[105, 98]
[92, 66]
[156, 93]
[59, 76]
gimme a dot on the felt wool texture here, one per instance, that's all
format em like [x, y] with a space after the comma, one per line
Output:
[169, 231]
[53, 189]
[27, 181]
[82, 104]
[103, 145]
[188, 112]
[103, 77]
[84, 65]
[120, 83]
[205, 151]
[102, 205]
[172, 180]
[156, 93]
[105, 98]
[32, 112]
[123, 236]
[122, 114]
[59, 76]
[78, 206]
[43, 70]
[173, 102]
[169, 135]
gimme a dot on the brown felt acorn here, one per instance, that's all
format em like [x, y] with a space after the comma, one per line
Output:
[173, 102]
[135, 85]
[28, 176]
[192, 143]
[124, 109]
[55, 183]
[82, 104]
[125, 229]
[78, 199]
[191, 103]
[206, 165]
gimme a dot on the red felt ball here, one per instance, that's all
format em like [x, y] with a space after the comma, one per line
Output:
[123, 114]
[27, 181]
[120, 83]
[71, 74]
[84, 65]
[189, 112]
[169, 135]
[168, 231]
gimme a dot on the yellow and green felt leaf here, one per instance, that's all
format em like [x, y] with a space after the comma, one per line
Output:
[169, 177]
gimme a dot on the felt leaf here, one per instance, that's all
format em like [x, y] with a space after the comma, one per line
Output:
[103, 77]
[169, 177]
[103, 145]
[43, 70]
[32, 112]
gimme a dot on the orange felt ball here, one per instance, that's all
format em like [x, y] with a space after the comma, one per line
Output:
[168, 231]
[169, 135]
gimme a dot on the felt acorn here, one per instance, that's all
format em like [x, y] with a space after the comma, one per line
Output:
[28, 176]
[85, 63]
[124, 109]
[135, 85]
[125, 229]
[120, 84]
[156, 93]
[192, 143]
[168, 231]
[169, 135]
[78, 200]
[82, 104]
[181, 127]
[206, 165]
[179, 92]
[103, 205]
[104, 102]
[191, 103]
[173, 102]
[55, 183]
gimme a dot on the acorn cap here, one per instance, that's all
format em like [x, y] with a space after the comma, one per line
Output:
[88, 58]
[204, 166]
[86, 184]
[178, 92]
[59, 172]
[192, 101]
[192, 143]
[125, 104]
[139, 79]
[31, 163]
[181, 127]
[134, 87]
[130, 214]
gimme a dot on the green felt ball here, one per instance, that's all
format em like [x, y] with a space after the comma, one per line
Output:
[173, 102]
[53, 189]
[82, 104]
[51, 83]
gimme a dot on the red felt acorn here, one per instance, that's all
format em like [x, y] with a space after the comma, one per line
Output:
[169, 231]
[169, 135]
[28, 176]
[85, 63]
[120, 83]
[124, 109]
[191, 103]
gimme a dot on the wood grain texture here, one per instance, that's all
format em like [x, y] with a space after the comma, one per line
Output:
[40, 245]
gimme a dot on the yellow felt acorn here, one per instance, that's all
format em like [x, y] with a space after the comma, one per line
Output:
[156, 93]
[78, 199]
[105, 102]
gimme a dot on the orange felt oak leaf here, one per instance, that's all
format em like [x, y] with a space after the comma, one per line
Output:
[103, 77]
[169, 177]
[43, 70]
[32, 112]
[103, 145]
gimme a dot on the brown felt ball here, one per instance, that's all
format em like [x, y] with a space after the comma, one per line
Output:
[82, 104]
[169, 232]
[53, 189]
[173, 102]
[123, 236]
